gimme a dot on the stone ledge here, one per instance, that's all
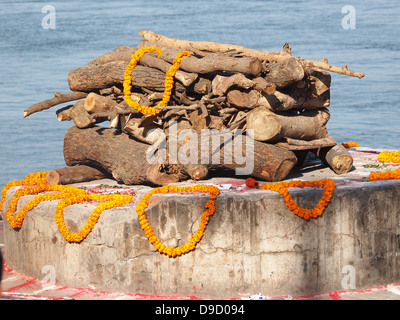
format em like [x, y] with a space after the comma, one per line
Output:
[252, 244]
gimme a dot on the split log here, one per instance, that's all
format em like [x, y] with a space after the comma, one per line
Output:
[318, 91]
[75, 174]
[79, 115]
[147, 134]
[125, 158]
[338, 158]
[95, 103]
[270, 127]
[58, 99]
[284, 73]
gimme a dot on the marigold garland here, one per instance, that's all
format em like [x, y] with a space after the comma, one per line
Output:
[36, 183]
[389, 156]
[196, 237]
[350, 144]
[282, 188]
[169, 80]
[386, 175]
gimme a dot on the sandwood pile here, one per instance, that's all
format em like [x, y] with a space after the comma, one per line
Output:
[279, 100]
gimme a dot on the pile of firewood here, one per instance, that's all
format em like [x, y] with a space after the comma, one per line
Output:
[278, 100]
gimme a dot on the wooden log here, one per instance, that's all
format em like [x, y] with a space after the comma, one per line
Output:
[279, 101]
[242, 99]
[307, 125]
[75, 174]
[95, 77]
[151, 61]
[270, 127]
[121, 156]
[58, 99]
[338, 158]
[215, 47]
[264, 125]
[80, 116]
[125, 158]
[221, 84]
[284, 73]
[262, 55]
[121, 53]
[64, 114]
[147, 134]
[95, 103]
[318, 91]
[211, 62]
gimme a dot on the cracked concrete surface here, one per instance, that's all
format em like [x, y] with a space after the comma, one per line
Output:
[253, 243]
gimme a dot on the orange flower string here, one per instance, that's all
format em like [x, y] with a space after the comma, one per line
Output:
[386, 175]
[169, 80]
[282, 188]
[196, 237]
[36, 183]
[389, 156]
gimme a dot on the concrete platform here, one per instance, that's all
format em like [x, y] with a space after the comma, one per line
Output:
[253, 242]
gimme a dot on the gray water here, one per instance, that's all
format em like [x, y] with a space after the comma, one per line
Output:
[34, 62]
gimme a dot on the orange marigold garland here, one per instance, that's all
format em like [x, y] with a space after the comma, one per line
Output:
[36, 183]
[169, 80]
[282, 188]
[386, 175]
[389, 156]
[196, 237]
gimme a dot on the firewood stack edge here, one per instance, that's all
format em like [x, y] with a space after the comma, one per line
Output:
[279, 101]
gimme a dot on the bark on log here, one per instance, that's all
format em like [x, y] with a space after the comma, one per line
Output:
[308, 125]
[264, 125]
[75, 174]
[58, 99]
[210, 63]
[80, 116]
[284, 73]
[262, 55]
[96, 77]
[95, 103]
[215, 47]
[221, 84]
[151, 61]
[271, 127]
[125, 158]
[318, 91]
[338, 158]
[121, 156]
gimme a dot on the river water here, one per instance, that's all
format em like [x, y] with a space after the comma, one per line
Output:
[35, 60]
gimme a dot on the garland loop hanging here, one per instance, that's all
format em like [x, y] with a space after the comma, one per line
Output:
[169, 80]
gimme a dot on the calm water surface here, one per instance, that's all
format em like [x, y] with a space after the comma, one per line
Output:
[34, 62]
